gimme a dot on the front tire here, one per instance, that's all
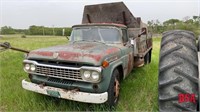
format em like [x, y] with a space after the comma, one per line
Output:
[113, 90]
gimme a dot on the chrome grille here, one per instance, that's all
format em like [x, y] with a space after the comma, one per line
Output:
[62, 73]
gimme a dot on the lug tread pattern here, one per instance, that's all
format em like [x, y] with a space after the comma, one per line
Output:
[180, 72]
[170, 51]
[178, 69]
[174, 81]
[169, 66]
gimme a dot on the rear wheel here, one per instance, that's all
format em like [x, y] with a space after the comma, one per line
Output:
[178, 71]
[147, 58]
[150, 56]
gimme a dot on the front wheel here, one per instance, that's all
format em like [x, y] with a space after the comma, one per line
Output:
[113, 90]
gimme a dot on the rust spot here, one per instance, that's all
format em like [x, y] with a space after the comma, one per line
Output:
[42, 85]
[65, 90]
[42, 53]
[138, 62]
[73, 90]
[95, 57]
[111, 50]
[69, 55]
[130, 60]
[75, 56]
[149, 43]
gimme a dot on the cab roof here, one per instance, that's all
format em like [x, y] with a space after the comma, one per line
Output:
[100, 24]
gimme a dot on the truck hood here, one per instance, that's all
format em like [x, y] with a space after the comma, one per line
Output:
[79, 52]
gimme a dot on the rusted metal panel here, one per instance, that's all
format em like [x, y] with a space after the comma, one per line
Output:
[142, 44]
[130, 62]
[138, 62]
[141, 55]
[109, 13]
[100, 24]
[41, 53]
[85, 52]
[149, 41]
[66, 94]
[134, 32]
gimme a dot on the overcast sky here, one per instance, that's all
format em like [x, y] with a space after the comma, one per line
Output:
[65, 13]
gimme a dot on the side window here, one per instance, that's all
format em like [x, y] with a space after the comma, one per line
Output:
[125, 36]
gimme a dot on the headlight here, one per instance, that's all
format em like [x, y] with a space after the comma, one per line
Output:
[86, 74]
[91, 76]
[32, 67]
[27, 67]
[95, 76]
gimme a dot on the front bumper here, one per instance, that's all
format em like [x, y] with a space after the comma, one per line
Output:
[66, 94]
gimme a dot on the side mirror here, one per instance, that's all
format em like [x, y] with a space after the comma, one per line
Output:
[132, 42]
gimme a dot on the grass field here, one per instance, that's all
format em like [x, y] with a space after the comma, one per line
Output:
[138, 90]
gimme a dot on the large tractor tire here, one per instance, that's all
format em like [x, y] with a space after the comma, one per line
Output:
[178, 71]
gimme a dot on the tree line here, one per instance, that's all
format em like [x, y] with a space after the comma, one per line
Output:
[37, 30]
[191, 24]
[155, 26]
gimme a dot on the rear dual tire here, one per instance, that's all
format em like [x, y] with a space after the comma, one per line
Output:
[147, 57]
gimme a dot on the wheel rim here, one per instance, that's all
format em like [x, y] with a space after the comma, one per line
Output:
[116, 90]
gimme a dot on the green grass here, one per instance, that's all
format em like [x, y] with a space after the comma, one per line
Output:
[138, 90]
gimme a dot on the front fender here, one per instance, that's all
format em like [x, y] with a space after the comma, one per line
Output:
[107, 74]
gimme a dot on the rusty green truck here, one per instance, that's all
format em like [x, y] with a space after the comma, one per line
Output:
[101, 52]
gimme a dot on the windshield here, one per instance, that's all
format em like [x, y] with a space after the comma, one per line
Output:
[100, 34]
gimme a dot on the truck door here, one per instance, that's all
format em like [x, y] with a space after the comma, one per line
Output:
[129, 56]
